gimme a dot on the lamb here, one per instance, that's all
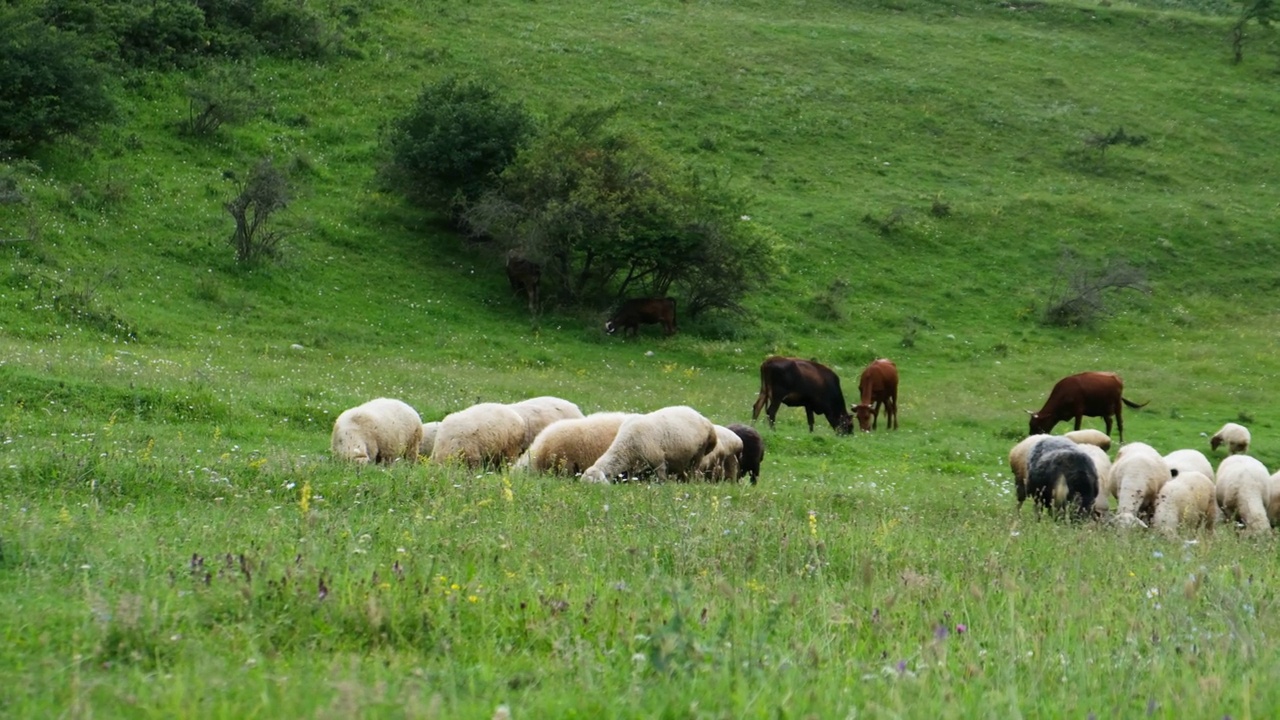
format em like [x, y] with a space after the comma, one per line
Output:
[382, 430]
[672, 440]
[1185, 501]
[752, 450]
[1244, 492]
[722, 462]
[1235, 436]
[1059, 473]
[487, 434]
[567, 447]
[1089, 436]
[1018, 457]
[540, 412]
[428, 442]
[1138, 474]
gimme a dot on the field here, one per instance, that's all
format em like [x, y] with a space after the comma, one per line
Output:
[176, 541]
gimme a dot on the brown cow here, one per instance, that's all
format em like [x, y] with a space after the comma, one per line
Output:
[643, 311]
[525, 276]
[1096, 394]
[878, 386]
[802, 383]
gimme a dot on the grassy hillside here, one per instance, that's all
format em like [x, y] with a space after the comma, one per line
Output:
[158, 424]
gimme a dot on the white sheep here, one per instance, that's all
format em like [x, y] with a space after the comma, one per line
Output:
[1243, 492]
[540, 412]
[722, 462]
[1102, 463]
[487, 434]
[1185, 501]
[672, 440]
[382, 430]
[1235, 436]
[1018, 458]
[570, 446]
[428, 442]
[1138, 474]
[1089, 436]
[1188, 460]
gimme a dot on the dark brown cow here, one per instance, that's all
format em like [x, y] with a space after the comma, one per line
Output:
[525, 277]
[752, 450]
[802, 383]
[643, 311]
[1096, 394]
[878, 386]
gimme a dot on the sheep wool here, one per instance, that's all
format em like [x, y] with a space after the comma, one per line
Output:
[428, 442]
[540, 412]
[1018, 457]
[1185, 501]
[382, 430]
[670, 441]
[487, 434]
[1234, 436]
[570, 446]
[722, 462]
[1089, 436]
[1243, 492]
[1138, 474]
[1060, 474]
[752, 451]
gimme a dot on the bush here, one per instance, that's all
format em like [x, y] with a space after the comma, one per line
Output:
[452, 144]
[1078, 296]
[225, 95]
[49, 84]
[261, 195]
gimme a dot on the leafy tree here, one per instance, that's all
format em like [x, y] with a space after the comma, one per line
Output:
[452, 144]
[261, 195]
[1263, 12]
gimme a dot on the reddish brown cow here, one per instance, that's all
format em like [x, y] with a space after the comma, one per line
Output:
[802, 383]
[1096, 394]
[525, 277]
[643, 311]
[878, 386]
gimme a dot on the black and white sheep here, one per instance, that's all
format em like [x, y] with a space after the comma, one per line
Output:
[1138, 474]
[1234, 436]
[1018, 457]
[1089, 436]
[722, 462]
[670, 441]
[540, 412]
[487, 434]
[382, 430]
[1060, 474]
[1185, 501]
[570, 446]
[752, 451]
[1244, 493]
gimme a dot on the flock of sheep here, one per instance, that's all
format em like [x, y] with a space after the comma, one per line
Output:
[551, 435]
[1073, 473]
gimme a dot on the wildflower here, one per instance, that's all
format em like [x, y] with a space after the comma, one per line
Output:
[304, 502]
[813, 524]
[961, 628]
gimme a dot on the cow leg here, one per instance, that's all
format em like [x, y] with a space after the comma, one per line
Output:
[773, 412]
[875, 414]
[809, 413]
[1078, 419]
[1119, 424]
[891, 412]
[760, 401]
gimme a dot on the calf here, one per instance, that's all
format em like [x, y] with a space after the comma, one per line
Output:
[878, 386]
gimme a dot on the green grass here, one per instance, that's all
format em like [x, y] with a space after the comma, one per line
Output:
[156, 426]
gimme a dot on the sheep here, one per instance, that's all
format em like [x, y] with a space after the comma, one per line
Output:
[382, 430]
[752, 450]
[572, 445]
[1235, 436]
[1059, 473]
[485, 434]
[1102, 464]
[1244, 493]
[1273, 500]
[722, 462]
[1018, 457]
[1186, 500]
[540, 412]
[672, 440]
[1089, 436]
[428, 442]
[1188, 460]
[1137, 474]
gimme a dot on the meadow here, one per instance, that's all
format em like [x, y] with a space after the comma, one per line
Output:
[176, 541]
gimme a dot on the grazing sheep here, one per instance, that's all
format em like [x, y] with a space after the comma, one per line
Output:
[428, 442]
[487, 434]
[382, 430]
[722, 462]
[1018, 458]
[1101, 463]
[672, 440]
[1244, 492]
[1188, 460]
[567, 447]
[1235, 436]
[1273, 499]
[752, 451]
[540, 412]
[1138, 473]
[1089, 436]
[1185, 501]
[1059, 474]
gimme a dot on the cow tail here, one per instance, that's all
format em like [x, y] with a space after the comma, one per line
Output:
[1133, 404]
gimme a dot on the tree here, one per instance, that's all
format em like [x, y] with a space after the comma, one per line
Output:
[1263, 12]
[260, 196]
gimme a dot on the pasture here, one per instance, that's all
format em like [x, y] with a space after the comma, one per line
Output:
[176, 541]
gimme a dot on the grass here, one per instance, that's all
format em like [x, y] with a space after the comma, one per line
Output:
[174, 539]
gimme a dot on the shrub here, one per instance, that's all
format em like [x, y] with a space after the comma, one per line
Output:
[225, 95]
[453, 142]
[261, 195]
[1078, 295]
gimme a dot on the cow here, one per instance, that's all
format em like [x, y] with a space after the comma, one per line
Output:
[878, 386]
[1096, 394]
[802, 383]
[525, 276]
[635, 312]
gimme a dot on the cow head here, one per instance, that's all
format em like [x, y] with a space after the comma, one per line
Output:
[863, 413]
[1040, 423]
